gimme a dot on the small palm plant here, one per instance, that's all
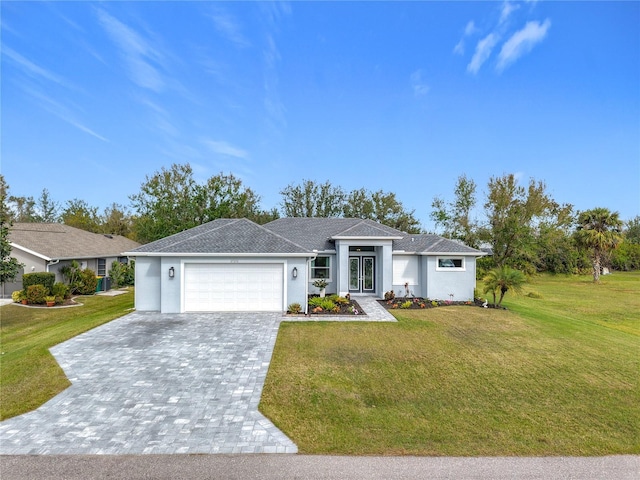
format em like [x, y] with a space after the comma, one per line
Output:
[504, 279]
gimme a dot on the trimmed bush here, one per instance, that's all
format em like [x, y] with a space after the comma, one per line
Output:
[60, 290]
[39, 278]
[88, 282]
[36, 294]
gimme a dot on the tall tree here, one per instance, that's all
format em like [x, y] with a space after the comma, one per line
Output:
[47, 209]
[9, 266]
[513, 214]
[381, 207]
[23, 209]
[116, 220]
[171, 201]
[311, 199]
[599, 231]
[632, 230]
[455, 217]
[79, 214]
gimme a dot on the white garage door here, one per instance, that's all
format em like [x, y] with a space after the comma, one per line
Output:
[239, 287]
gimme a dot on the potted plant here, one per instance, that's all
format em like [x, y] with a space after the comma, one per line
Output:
[321, 284]
[50, 301]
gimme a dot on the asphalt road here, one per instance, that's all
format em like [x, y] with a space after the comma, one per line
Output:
[305, 467]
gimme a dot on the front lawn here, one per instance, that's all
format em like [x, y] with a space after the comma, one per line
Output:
[29, 375]
[556, 375]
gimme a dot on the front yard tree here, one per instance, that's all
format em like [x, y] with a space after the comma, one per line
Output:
[513, 213]
[9, 266]
[599, 231]
[311, 199]
[455, 217]
[503, 279]
[381, 207]
[171, 201]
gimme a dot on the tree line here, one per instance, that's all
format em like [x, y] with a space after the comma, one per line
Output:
[520, 224]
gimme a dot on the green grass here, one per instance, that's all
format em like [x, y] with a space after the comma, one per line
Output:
[556, 375]
[29, 375]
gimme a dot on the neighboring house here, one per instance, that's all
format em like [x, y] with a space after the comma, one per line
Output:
[47, 247]
[237, 265]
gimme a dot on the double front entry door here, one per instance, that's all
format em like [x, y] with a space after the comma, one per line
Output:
[362, 274]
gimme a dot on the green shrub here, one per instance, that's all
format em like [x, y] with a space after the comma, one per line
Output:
[294, 308]
[406, 304]
[338, 300]
[60, 290]
[324, 303]
[18, 296]
[88, 282]
[36, 294]
[534, 295]
[122, 274]
[39, 278]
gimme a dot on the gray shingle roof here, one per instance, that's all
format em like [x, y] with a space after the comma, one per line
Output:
[292, 236]
[235, 236]
[429, 243]
[317, 233]
[58, 241]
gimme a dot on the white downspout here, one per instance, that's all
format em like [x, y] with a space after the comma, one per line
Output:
[52, 262]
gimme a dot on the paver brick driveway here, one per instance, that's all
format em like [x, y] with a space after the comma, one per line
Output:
[152, 383]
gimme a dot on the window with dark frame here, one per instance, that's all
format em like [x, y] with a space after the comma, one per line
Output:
[102, 267]
[450, 263]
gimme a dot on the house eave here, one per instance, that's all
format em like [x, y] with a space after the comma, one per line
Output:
[366, 237]
[229, 254]
[30, 252]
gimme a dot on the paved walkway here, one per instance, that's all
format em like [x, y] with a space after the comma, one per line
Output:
[151, 383]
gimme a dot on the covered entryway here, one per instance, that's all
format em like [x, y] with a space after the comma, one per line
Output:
[233, 287]
[362, 274]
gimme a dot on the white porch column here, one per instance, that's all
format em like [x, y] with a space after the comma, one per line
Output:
[342, 259]
[387, 268]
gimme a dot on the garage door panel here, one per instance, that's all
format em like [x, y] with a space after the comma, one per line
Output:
[233, 287]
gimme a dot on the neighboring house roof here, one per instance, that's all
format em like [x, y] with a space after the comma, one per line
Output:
[292, 236]
[52, 241]
[319, 233]
[223, 236]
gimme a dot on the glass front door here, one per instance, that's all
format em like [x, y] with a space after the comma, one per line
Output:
[362, 274]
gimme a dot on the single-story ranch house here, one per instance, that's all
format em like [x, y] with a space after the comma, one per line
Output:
[238, 265]
[47, 247]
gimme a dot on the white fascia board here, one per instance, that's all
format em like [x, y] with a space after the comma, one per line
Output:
[30, 252]
[454, 254]
[164, 254]
[360, 237]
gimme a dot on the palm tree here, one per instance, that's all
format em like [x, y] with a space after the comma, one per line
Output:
[504, 279]
[599, 231]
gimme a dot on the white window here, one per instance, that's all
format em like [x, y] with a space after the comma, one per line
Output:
[321, 268]
[405, 270]
[450, 263]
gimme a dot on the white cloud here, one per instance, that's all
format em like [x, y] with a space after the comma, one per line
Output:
[418, 84]
[224, 148]
[507, 9]
[137, 52]
[482, 53]
[470, 29]
[522, 42]
[61, 111]
[459, 48]
[229, 28]
[31, 68]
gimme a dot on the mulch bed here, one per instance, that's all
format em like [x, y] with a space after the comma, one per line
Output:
[349, 309]
[416, 303]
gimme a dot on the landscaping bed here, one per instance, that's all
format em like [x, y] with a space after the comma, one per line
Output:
[329, 305]
[417, 303]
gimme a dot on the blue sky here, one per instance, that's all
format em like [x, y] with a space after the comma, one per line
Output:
[398, 96]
